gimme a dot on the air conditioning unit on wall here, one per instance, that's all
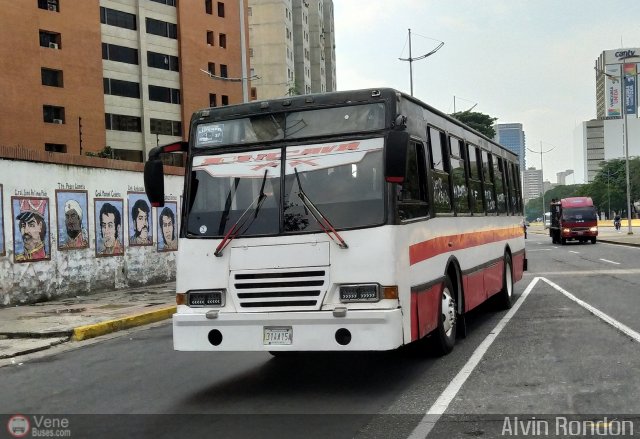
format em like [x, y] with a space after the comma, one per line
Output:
[57, 121]
[53, 7]
[53, 45]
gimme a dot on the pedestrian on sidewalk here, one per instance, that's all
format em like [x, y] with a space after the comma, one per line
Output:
[616, 222]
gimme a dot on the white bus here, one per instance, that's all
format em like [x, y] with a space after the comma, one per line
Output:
[355, 220]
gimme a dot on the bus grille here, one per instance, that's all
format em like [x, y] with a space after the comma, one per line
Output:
[275, 290]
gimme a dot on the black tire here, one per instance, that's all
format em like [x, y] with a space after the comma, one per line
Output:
[593, 240]
[563, 241]
[283, 354]
[504, 298]
[444, 337]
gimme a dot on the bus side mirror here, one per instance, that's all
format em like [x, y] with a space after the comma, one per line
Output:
[154, 182]
[154, 172]
[395, 166]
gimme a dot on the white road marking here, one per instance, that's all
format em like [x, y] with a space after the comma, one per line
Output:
[429, 420]
[571, 251]
[611, 262]
[610, 320]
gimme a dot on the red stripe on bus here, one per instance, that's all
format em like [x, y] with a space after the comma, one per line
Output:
[443, 244]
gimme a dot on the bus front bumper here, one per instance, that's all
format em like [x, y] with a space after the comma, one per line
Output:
[358, 330]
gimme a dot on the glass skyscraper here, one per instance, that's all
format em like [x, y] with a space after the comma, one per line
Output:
[511, 136]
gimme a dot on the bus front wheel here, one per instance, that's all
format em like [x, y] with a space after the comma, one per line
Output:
[445, 334]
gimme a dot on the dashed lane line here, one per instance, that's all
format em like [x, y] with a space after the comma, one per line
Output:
[610, 262]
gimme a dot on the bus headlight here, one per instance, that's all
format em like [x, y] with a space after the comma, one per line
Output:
[206, 298]
[360, 293]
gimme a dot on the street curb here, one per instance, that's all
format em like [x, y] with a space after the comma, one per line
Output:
[102, 328]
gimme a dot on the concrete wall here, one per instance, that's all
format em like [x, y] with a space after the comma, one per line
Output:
[34, 190]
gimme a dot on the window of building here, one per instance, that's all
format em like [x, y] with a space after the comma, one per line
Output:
[225, 100]
[220, 9]
[213, 100]
[53, 114]
[223, 70]
[250, 52]
[212, 68]
[250, 12]
[208, 6]
[117, 87]
[50, 5]
[254, 94]
[51, 77]
[164, 94]
[166, 2]
[165, 127]
[52, 40]
[55, 147]
[161, 28]
[116, 18]
[121, 122]
[222, 39]
[117, 53]
[162, 61]
[210, 38]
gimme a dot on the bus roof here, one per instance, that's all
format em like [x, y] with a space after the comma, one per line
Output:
[576, 202]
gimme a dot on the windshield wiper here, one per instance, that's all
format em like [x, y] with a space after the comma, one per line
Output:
[319, 217]
[235, 230]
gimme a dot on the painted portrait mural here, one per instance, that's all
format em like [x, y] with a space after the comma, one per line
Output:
[31, 238]
[108, 226]
[72, 219]
[3, 251]
[140, 219]
[168, 227]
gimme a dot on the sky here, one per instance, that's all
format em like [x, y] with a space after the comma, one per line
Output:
[521, 61]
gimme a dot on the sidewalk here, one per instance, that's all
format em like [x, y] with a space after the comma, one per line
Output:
[31, 328]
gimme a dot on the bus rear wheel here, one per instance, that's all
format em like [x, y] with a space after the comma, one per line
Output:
[444, 337]
[505, 296]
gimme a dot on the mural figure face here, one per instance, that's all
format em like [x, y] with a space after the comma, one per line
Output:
[142, 224]
[108, 226]
[73, 223]
[31, 231]
[167, 229]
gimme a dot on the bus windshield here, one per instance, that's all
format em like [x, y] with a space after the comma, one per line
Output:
[579, 214]
[344, 181]
[293, 125]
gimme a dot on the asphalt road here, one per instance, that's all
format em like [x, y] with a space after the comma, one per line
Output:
[552, 357]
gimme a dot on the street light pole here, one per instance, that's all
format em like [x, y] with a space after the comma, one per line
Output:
[411, 60]
[542, 174]
[626, 145]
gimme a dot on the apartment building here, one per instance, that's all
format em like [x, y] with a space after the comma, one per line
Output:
[128, 74]
[292, 47]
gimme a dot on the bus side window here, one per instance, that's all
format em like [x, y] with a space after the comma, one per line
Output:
[475, 183]
[516, 192]
[459, 176]
[412, 200]
[488, 178]
[501, 199]
[441, 196]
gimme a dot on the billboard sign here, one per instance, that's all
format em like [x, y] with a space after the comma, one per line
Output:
[630, 81]
[613, 90]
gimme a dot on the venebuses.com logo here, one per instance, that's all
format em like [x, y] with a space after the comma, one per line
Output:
[18, 426]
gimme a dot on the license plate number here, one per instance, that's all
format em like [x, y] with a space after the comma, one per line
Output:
[580, 233]
[282, 335]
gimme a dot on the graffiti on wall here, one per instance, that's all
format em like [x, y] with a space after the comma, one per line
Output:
[108, 226]
[140, 221]
[2, 249]
[168, 227]
[72, 219]
[31, 239]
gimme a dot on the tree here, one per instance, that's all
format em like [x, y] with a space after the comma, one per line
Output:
[478, 121]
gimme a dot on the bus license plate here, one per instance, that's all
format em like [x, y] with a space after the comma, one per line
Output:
[282, 335]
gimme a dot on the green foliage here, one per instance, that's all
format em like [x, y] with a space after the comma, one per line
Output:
[533, 209]
[478, 121]
[106, 153]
